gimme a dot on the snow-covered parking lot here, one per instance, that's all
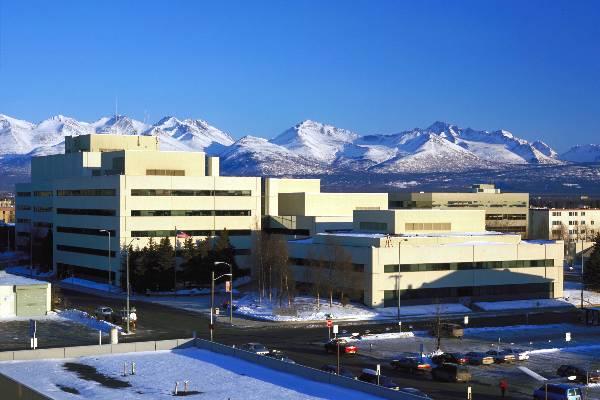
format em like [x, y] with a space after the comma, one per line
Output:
[212, 376]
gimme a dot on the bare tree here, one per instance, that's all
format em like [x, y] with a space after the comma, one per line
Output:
[342, 265]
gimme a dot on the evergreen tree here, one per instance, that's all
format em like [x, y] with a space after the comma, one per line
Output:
[165, 264]
[591, 271]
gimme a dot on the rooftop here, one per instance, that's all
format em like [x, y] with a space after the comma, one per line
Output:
[10, 279]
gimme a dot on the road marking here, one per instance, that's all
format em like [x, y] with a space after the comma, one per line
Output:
[532, 374]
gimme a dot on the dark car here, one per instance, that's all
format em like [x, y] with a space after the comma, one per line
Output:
[502, 356]
[332, 369]
[479, 358]
[411, 364]
[553, 391]
[580, 374]
[345, 347]
[278, 355]
[451, 373]
[453, 358]
[370, 376]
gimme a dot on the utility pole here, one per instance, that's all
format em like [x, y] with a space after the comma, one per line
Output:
[230, 289]
[582, 279]
[399, 320]
[128, 309]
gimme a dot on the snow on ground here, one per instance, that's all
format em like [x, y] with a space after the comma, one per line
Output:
[104, 287]
[12, 279]
[217, 376]
[83, 318]
[572, 294]
[381, 336]
[522, 304]
[26, 271]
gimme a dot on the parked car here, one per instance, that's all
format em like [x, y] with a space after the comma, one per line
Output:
[479, 358]
[553, 391]
[580, 374]
[104, 313]
[454, 358]
[411, 364]
[415, 392]
[520, 355]
[451, 373]
[449, 330]
[345, 347]
[332, 369]
[278, 355]
[370, 376]
[255, 348]
[502, 356]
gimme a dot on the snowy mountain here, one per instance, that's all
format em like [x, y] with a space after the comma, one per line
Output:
[582, 153]
[308, 148]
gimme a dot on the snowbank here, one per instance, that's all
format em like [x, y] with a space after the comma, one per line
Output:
[83, 318]
[521, 304]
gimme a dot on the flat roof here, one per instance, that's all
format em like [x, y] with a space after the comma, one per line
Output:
[379, 235]
[10, 279]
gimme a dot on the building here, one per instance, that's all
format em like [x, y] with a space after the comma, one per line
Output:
[504, 212]
[7, 211]
[431, 256]
[297, 207]
[23, 297]
[124, 186]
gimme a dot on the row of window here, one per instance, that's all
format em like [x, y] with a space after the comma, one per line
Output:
[40, 224]
[23, 194]
[419, 226]
[509, 229]
[86, 211]
[42, 209]
[84, 250]
[23, 207]
[23, 220]
[83, 231]
[42, 193]
[509, 217]
[391, 268]
[285, 231]
[373, 226]
[323, 263]
[189, 213]
[86, 192]
[189, 192]
[191, 232]
[166, 172]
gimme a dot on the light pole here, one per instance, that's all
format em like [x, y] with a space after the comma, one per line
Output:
[212, 299]
[109, 269]
[582, 256]
[128, 310]
[230, 290]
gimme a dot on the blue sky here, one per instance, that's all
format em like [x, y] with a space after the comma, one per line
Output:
[258, 67]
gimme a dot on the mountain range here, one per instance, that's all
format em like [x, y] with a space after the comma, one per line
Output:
[308, 148]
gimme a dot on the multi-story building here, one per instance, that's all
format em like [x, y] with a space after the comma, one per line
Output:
[431, 256]
[504, 212]
[298, 208]
[125, 186]
[574, 224]
[7, 210]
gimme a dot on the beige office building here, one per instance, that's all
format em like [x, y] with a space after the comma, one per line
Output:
[126, 186]
[433, 256]
[298, 208]
[504, 212]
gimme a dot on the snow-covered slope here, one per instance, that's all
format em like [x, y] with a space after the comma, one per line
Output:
[582, 153]
[15, 135]
[189, 134]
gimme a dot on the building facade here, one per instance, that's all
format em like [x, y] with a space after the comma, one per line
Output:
[7, 210]
[125, 186]
[504, 212]
[431, 256]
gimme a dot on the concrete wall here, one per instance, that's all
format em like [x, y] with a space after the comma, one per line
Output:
[273, 186]
[13, 390]
[329, 204]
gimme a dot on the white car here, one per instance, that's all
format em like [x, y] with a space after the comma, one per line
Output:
[255, 348]
[520, 355]
[104, 313]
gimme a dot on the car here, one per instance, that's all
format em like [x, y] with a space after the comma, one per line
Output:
[411, 364]
[448, 330]
[455, 358]
[345, 347]
[451, 373]
[104, 313]
[255, 348]
[479, 358]
[502, 356]
[520, 355]
[415, 392]
[580, 374]
[332, 369]
[370, 376]
[554, 391]
[278, 355]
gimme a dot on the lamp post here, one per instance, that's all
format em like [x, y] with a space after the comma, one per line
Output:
[128, 310]
[230, 289]
[582, 256]
[212, 299]
[109, 269]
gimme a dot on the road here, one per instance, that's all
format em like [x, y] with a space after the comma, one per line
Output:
[299, 342]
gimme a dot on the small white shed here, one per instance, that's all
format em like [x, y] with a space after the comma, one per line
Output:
[23, 297]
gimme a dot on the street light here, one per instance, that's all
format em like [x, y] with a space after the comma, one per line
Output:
[212, 299]
[128, 310]
[109, 270]
[230, 289]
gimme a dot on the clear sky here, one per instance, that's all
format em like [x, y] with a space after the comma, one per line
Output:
[258, 67]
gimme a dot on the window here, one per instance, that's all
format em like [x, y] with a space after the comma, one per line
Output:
[189, 192]
[556, 223]
[166, 172]
[83, 231]
[373, 226]
[556, 213]
[42, 224]
[43, 193]
[391, 268]
[86, 192]
[24, 194]
[84, 250]
[42, 209]
[583, 213]
[86, 211]
[189, 213]
[23, 220]
[418, 226]
[468, 265]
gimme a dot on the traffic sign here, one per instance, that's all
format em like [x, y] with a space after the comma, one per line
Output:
[329, 323]
[378, 371]
[335, 329]
[227, 286]
[568, 337]
[466, 320]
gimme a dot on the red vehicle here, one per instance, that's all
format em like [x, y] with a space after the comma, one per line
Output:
[345, 347]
